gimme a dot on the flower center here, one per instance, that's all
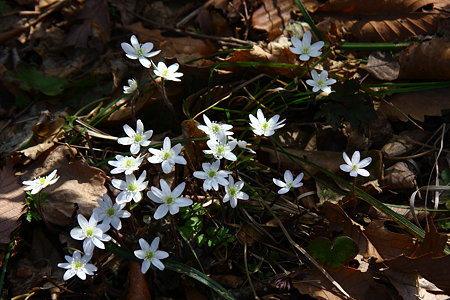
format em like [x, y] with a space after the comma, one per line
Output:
[110, 212]
[149, 255]
[355, 168]
[289, 185]
[320, 82]
[220, 149]
[212, 174]
[132, 187]
[89, 232]
[42, 180]
[129, 163]
[77, 264]
[138, 138]
[167, 155]
[165, 72]
[139, 52]
[215, 128]
[265, 125]
[306, 50]
[233, 191]
[169, 200]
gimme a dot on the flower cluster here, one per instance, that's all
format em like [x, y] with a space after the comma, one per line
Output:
[306, 50]
[215, 174]
[143, 53]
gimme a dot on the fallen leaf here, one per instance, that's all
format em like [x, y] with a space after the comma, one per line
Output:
[388, 244]
[419, 61]
[272, 17]
[417, 104]
[12, 198]
[382, 66]
[272, 53]
[137, 286]
[359, 285]
[333, 254]
[399, 176]
[434, 242]
[94, 22]
[183, 48]
[79, 185]
[403, 143]
[432, 268]
[374, 21]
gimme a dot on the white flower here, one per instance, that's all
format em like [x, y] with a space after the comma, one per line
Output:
[131, 88]
[233, 192]
[131, 188]
[139, 51]
[289, 182]
[215, 130]
[169, 200]
[167, 156]
[212, 176]
[355, 166]
[150, 254]
[110, 213]
[304, 47]
[243, 145]
[221, 148]
[38, 184]
[127, 164]
[168, 73]
[261, 126]
[320, 81]
[136, 138]
[77, 265]
[91, 233]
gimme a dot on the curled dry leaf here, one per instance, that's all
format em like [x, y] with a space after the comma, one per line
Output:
[272, 17]
[12, 197]
[374, 21]
[404, 143]
[399, 176]
[79, 185]
[383, 66]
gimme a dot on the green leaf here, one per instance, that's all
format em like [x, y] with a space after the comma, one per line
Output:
[335, 254]
[32, 79]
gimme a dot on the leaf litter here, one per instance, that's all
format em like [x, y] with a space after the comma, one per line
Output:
[62, 108]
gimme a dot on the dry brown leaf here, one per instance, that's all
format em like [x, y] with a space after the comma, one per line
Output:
[388, 244]
[94, 22]
[417, 104]
[272, 17]
[79, 185]
[434, 242]
[382, 66]
[12, 198]
[359, 285]
[399, 176]
[408, 286]
[374, 20]
[137, 287]
[402, 144]
[273, 53]
[434, 269]
[183, 48]
[428, 60]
